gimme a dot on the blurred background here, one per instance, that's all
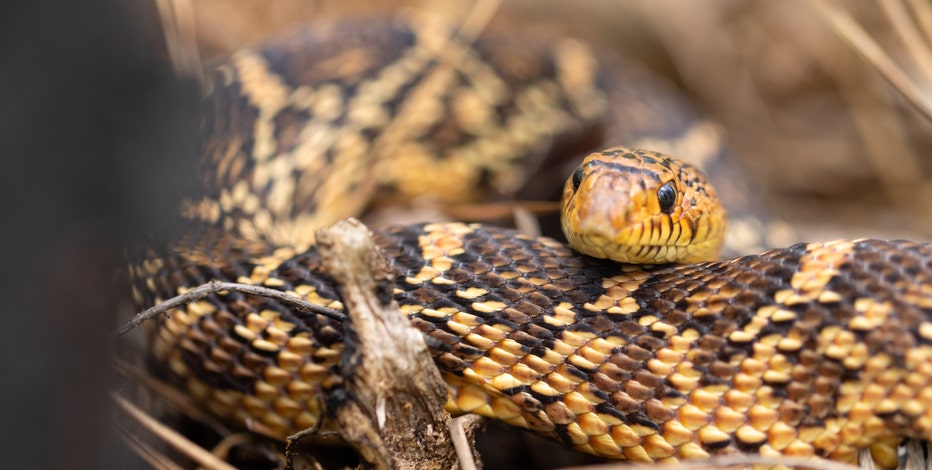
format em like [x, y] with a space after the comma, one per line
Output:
[827, 104]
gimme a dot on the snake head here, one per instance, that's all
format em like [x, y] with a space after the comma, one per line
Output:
[638, 206]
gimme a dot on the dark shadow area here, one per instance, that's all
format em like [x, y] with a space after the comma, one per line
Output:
[95, 134]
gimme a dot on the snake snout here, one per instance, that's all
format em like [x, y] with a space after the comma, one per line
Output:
[603, 211]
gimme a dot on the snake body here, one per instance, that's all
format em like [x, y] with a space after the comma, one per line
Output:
[816, 349]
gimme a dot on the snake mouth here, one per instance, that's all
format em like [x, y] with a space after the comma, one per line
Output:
[649, 239]
[623, 246]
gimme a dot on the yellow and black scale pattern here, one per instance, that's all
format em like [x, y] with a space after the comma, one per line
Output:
[312, 128]
[812, 350]
[816, 349]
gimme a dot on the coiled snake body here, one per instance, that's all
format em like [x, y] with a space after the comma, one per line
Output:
[816, 349]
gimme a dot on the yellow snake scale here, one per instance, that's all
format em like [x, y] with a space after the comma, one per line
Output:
[813, 350]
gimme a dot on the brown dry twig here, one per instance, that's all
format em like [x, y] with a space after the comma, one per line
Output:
[462, 432]
[390, 405]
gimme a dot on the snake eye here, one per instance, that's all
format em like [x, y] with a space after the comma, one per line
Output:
[577, 178]
[666, 196]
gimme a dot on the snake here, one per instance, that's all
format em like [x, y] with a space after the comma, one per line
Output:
[818, 349]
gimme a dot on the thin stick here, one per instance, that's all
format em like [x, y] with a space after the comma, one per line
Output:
[171, 437]
[292, 441]
[500, 210]
[464, 450]
[213, 287]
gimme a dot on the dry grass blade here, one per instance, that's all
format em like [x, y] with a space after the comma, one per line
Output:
[845, 26]
[479, 16]
[917, 456]
[909, 33]
[923, 11]
[170, 436]
[880, 131]
[180, 37]
[171, 395]
[145, 452]
[154, 458]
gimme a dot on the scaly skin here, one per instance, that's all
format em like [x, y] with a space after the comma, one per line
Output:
[817, 349]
